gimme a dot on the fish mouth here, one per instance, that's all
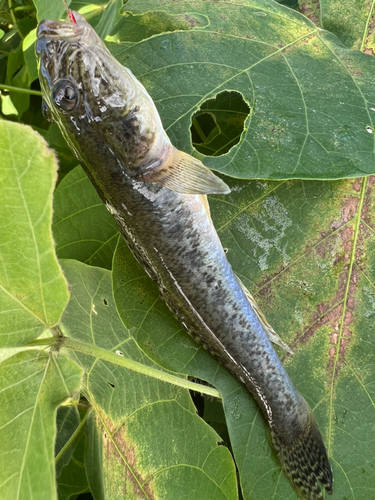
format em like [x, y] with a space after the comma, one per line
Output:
[58, 29]
[78, 31]
[53, 35]
[62, 29]
[53, 39]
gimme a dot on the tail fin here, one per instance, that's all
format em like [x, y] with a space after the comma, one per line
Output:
[305, 461]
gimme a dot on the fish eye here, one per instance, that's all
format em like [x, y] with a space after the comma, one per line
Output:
[65, 95]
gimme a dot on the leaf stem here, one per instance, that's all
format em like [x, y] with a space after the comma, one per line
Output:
[23, 7]
[14, 20]
[72, 438]
[20, 90]
[199, 131]
[366, 30]
[98, 352]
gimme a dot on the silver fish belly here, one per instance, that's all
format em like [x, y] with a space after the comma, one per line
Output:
[157, 196]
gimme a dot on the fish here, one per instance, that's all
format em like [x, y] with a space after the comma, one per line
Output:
[158, 197]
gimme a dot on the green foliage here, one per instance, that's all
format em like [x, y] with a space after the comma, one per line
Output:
[33, 291]
[32, 385]
[303, 248]
[309, 97]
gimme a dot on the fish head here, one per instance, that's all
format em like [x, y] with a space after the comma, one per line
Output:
[80, 79]
[89, 94]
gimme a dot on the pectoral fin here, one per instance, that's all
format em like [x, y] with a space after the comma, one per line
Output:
[182, 173]
[270, 332]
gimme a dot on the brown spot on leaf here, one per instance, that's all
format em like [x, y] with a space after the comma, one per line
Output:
[348, 320]
[332, 352]
[368, 203]
[350, 302]
[334, 338]
[120, 462]
[341, 339]
[343, 345]
[349, 210]
[330, 318]
[357, 185]
[346, 236]
[193, 21]
[335, 315]
[311, 9]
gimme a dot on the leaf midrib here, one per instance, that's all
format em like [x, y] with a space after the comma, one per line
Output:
[366, 30]
[344, 308]
[26, 208]
[30, 428]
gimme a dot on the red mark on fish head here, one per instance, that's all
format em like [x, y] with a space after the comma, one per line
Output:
[71, 17]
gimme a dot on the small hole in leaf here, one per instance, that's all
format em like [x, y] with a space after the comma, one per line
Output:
[109, 383]
[105, 302]
[369, 129]
[218, 125]
[225, 250]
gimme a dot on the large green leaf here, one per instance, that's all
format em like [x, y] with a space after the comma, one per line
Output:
[109, 18]
[350, 20]
[149, 440]
[33, 290]
[81, 228]
[309, 96]
[308, 242]
[32, 385]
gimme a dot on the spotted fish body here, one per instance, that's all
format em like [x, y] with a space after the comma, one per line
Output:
[157, 196]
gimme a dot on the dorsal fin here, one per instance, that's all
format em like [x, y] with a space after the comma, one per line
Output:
[270, 332]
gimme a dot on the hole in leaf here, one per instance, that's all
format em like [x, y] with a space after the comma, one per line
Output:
[105, 302]
[198, 400]
[218, 124]
[109, 383]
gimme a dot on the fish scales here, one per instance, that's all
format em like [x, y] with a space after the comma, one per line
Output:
[157, 197]
[186, 259]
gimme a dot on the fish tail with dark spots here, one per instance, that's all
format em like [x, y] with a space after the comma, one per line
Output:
[305, 461]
